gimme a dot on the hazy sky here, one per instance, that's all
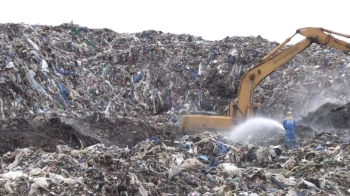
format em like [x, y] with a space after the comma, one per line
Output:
[272, 19]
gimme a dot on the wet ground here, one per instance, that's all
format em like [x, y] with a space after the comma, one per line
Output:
[20, 132]
[122, 131]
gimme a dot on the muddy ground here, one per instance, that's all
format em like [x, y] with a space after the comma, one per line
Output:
[122, 131]
[20, 132]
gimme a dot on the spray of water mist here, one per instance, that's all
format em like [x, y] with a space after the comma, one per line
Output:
[256, 129]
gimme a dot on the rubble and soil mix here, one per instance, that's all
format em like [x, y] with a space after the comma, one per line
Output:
[19, 133]
[329, 116]
[120, 131]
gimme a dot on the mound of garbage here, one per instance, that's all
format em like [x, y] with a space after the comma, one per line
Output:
[329, 116]
[150, 78]
[77, 106]
[75, 71]
[195, 165]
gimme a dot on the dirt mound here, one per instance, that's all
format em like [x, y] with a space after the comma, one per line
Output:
[121, 132]
[78, 132]
[329, 116]
[20, 133]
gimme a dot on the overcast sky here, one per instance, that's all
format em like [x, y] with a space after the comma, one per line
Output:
[212, 19]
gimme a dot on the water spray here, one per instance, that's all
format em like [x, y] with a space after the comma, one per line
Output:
[256, 129]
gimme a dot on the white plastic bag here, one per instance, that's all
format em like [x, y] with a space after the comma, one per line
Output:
[44, 66]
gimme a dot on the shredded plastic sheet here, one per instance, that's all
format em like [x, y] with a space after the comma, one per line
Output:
[34, 83]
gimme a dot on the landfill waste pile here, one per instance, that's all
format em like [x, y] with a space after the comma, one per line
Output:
[150, 78]
[77, 106]
[72, 70]
[329, 116]
[196, 165]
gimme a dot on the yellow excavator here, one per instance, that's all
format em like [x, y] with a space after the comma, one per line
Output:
[245, 107]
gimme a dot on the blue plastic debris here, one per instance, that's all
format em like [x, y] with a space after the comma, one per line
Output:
[186, 146]
[204, 158]
[214, 162]
[320, 148]
[65, 93]
[222, 147]
[137, 77]
[155, 139]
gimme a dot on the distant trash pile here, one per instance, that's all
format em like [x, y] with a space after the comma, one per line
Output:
[74, 71]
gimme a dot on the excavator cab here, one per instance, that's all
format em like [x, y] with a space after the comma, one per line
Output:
[200, 121]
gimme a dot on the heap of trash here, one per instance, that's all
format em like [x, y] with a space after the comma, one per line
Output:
[77, 106]
[73, 71]
[196, 165]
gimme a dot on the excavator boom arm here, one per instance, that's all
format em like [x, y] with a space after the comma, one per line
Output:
[274, 60]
